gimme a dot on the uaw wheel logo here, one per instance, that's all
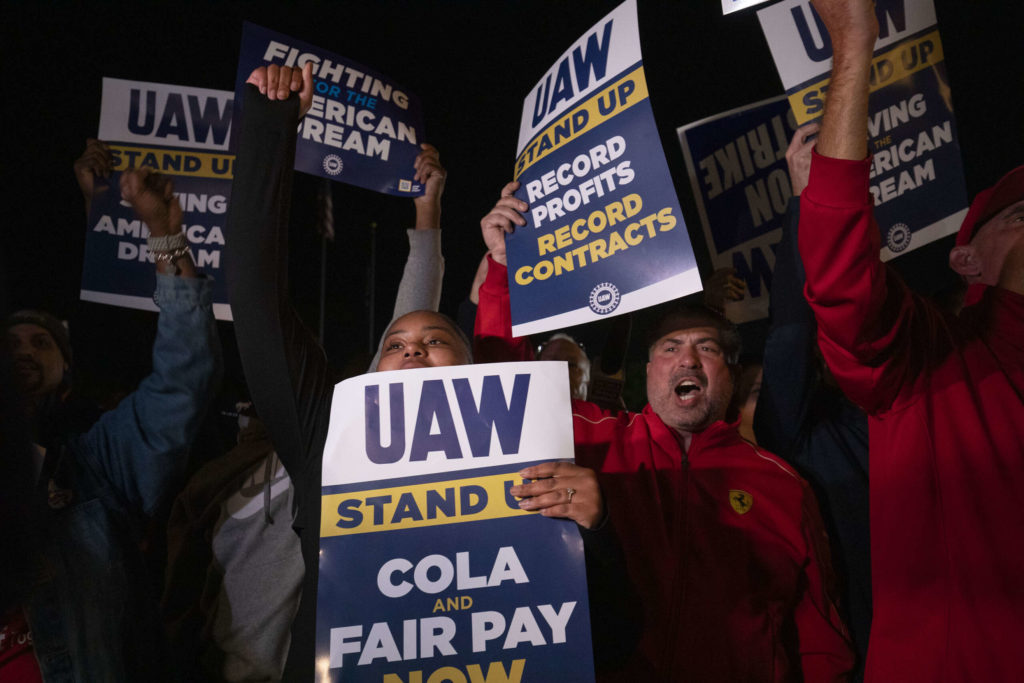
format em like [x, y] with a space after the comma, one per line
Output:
[333, 164]
[898, 238]
[604, 298]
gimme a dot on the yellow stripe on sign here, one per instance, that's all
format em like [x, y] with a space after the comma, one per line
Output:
[174, 162]
[419, 505]
[603, 105]
[886, 69]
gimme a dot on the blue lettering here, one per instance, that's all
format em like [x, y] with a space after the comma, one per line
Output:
[814, 102]
[357, 99]
[818, 47]
[540, 106]
[135, 125]
[755, 272]
[406, 509]
[173, 121]
[466, 494]
[890, 9]
[436, 503]
[563, 86]
[378, 503]
[510, 500]
[434, 404]
[596, 58]
[210, 119]
[222, 166]
[172, 162]
[350, 516]
[494, 414]
[375, 450]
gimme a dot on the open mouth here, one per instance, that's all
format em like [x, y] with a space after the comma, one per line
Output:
[26, 367]
[687, 389]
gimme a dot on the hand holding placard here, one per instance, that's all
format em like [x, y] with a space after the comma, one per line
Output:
[502, 219]
[279, 82]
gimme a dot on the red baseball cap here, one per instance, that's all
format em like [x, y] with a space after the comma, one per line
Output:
[988, 203]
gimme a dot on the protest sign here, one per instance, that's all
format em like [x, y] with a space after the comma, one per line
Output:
[737, 166]
[917, 178]
[363, 128]
[604, 232]
[429, 570]
[184, 133]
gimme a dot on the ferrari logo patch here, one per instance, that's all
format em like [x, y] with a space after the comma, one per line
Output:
[741, 501]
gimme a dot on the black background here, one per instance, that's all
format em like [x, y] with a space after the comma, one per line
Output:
[471, 63]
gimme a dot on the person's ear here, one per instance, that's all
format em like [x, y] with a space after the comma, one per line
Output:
[964, 261]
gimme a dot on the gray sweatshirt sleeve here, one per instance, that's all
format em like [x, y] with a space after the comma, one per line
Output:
[420, 288]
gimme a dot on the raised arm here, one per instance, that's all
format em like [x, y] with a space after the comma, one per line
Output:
[141, 445]
[492, 334]
[870, 327]
[853, 28]
[284, 366]
[790, 377]
[420, 288]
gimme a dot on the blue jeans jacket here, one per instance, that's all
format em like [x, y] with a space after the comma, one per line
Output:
[93, 617]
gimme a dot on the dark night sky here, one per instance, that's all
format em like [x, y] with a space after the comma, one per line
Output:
[471, 63]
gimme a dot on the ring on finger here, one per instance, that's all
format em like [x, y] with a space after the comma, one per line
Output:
[571, 492]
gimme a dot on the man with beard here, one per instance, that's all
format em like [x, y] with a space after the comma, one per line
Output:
[87, 601]
[723, 541]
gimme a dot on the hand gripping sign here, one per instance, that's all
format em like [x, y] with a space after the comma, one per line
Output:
[429, 570]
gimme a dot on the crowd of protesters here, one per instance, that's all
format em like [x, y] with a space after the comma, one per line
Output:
[840, 504]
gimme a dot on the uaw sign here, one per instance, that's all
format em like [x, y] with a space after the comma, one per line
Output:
[182, 132]
[363, 128]
[604, 232]
[429, 570]
[917, 178]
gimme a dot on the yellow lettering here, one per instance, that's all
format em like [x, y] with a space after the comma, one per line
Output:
[667, 219]
[616, 243]
[523, 276]
[543, 270]
[598, 250]
[631, 236]
[633, 204]
[562, 238]
[577, 232]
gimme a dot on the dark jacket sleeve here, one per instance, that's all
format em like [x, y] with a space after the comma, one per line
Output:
[790, 375]
[616, 612]
[285, 368]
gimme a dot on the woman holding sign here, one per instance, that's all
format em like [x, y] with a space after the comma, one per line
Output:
[287, 370]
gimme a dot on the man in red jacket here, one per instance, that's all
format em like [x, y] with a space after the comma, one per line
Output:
[944, 395]
[723, 541]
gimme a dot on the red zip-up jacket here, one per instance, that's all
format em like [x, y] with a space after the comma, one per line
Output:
[724, 544]
[946, 434]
